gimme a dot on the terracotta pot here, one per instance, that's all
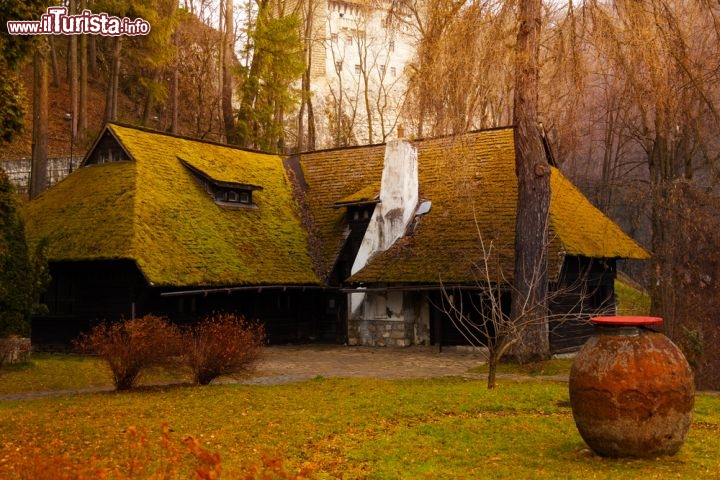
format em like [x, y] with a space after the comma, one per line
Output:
[631, 390]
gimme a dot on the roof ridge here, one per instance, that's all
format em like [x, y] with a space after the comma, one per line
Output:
[192, 139]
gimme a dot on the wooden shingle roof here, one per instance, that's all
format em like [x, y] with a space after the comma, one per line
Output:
[333, 176]
[468, 235]
[153, 210]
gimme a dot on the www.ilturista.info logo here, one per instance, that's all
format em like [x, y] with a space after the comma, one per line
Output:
[57, 22]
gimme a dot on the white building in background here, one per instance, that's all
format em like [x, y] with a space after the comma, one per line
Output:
[359, 73]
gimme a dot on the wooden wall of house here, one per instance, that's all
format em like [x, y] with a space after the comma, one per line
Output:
[289, 315]
[82, 294]
[450, 329]
[586, 288]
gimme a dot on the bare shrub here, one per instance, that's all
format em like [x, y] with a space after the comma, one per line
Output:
[223, 344]
[131, 346]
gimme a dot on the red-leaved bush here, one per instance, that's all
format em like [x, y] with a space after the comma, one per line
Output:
[131, 346]
[222, 344]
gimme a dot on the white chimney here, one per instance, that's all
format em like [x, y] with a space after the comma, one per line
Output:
[398, 201]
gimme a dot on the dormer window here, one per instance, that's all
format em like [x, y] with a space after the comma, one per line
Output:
[233, 196]
[107, 149]
[360, 213]
[225, 193]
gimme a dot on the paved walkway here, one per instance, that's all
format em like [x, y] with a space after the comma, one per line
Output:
[293, 363]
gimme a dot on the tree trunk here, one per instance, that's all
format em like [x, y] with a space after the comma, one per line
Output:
[53, 62]
[175, 99]
[82, 111]
[38, 170]
[227, 90]
[111, 100]
[73, 58]
[92, 55]
[312, 135]
[149, 106]
[529, 299]
[368, 108]
[305, 98]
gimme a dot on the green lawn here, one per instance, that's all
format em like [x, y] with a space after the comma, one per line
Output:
[631, 300]
[333, 428]
[46, 372]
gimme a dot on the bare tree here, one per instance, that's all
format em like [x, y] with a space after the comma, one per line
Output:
[483, 319]
[198, 79]
[306, 132]
[367, 91]
[461, 76]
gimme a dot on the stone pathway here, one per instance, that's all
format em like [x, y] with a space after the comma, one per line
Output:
[295, 363]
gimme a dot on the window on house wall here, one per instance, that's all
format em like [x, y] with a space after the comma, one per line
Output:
[334, 37]
[393, 71]
[348, 40]
[357, 68]
[382, 69]
[391, 46]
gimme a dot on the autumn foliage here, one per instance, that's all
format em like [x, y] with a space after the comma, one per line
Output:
[222, 344]
[142, 457]
[131, 346]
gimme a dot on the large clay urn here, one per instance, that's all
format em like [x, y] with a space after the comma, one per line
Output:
[631, 390]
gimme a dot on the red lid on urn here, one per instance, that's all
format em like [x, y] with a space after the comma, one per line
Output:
[627, 320]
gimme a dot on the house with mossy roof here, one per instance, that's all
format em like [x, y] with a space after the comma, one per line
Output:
[358, 245]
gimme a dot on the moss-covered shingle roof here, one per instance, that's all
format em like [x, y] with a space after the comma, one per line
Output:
[154, 211]
[471, 182]
[334, 176]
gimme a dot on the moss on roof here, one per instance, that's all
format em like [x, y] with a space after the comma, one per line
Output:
[367, 194]
[154, 211]
[220, 164]
[582, 228]
[88, 215]
[331, 176]
[471, 182]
